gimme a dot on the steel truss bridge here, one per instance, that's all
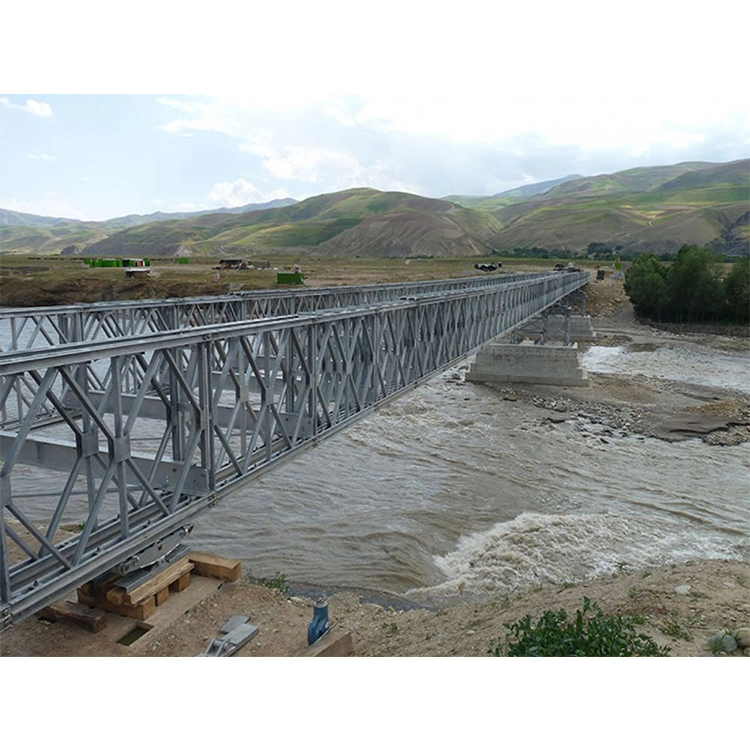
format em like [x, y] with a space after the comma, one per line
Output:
[120, 423]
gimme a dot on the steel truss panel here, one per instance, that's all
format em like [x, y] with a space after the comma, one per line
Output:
[108, 447]
[25, 328]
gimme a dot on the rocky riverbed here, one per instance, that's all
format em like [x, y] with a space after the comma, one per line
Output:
[614, 406]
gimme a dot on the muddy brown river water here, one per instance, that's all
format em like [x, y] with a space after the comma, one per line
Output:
[453, 491]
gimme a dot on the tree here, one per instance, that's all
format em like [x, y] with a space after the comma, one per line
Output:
[694, 285]
[645, 284]
[737, 291]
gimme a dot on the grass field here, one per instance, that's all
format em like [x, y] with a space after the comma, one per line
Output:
[50, 280]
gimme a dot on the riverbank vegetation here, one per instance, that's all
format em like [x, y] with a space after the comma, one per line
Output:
[590, 633]
[693, 289]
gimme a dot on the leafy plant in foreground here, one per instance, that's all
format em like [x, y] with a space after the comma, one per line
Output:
[278, 582]
[590, 633]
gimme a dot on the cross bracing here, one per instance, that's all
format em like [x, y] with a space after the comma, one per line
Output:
[22, 328]
[107, 447]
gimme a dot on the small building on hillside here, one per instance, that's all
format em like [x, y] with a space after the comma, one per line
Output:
[290, 277]
[137, 273]
[232, 263]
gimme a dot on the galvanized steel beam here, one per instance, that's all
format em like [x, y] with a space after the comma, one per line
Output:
[26, 328]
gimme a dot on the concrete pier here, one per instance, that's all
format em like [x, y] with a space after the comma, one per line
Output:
[581, 329]
[545, 364]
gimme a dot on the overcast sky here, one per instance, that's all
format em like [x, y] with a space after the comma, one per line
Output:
[309, 98]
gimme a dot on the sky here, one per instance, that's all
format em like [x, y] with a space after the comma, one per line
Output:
[301, 99]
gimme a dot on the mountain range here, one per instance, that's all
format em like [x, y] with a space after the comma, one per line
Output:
[642, 209]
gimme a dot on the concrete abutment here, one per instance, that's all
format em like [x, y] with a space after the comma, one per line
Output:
[543, 364]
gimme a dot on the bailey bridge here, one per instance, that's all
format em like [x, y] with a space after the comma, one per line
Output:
[120, 423]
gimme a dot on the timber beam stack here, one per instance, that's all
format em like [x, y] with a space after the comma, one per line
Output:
[140, 603]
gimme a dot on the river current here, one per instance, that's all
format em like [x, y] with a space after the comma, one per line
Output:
[452, 491]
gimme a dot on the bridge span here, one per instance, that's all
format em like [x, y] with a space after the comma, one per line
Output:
[113, 439]
[26, 328]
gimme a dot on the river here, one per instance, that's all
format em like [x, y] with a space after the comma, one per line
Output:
[452, 491]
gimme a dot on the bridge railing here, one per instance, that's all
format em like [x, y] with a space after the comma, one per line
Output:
[108, 447]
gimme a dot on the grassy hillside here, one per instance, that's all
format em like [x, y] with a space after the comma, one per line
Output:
[508, 197]
[733, 173]
[354, 222]
[644, 209]
[122, 222]
[20, 219]
[704, 204]
[48, 240]
[28, 233]
[637, 180]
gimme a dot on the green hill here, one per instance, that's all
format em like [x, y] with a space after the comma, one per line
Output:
[508, 197]
[28, 233]
[637, 180]
[644, 209]
[647, 209]
[50, 240]
[362, 221]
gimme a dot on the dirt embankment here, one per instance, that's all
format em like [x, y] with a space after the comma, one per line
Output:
[681, 606]
[31, 292]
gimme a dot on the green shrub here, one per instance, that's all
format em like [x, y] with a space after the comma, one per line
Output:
[278, 582]
[591, 633]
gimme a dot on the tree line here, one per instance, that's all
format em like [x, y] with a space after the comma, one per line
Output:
[598, 251]
[692, 289]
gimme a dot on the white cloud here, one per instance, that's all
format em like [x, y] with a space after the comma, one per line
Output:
[32, 107]
[239, 193]
[336, 170]
[327, 140]
[257, 148]
[309, 164]
[594, 119]
[214, 123]
[177, 104]
[41, 157]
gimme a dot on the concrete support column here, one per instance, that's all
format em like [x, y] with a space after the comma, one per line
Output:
[528, 363]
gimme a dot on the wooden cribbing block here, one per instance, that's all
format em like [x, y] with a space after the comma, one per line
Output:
[141, 611]
[163, 595]
[87, 589]
[153, 586]
[333, 643]
[213, 566]
[76, 614]
[93, 592]
[100, 585]
[181, 583]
